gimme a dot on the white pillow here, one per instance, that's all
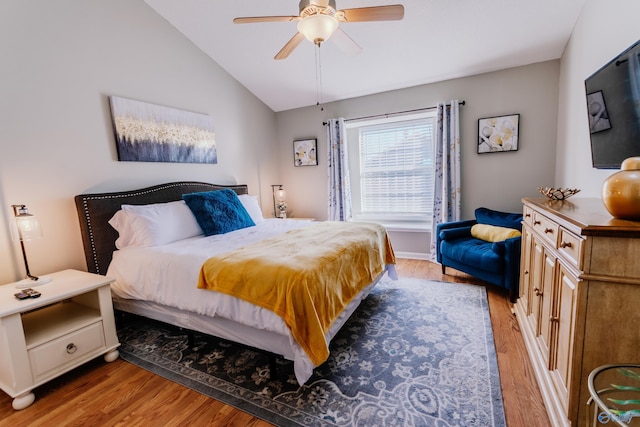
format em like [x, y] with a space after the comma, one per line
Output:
[122, 224]
[154, 225]
[250, 203]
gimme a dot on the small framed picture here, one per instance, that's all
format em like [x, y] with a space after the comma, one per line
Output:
[498, 134]
[305, 152]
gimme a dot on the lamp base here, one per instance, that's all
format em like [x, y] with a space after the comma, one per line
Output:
[30, 283]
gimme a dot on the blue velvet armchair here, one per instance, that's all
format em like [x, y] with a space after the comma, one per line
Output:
[497, 263]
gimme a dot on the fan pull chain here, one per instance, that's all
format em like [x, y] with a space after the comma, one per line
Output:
[318, 79]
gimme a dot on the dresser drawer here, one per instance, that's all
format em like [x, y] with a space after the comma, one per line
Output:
[571, 246]
[56, 353]
[527, 215]
[547, 228]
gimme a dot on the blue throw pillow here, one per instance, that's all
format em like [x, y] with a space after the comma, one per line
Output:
[500, 219]
[218, 211]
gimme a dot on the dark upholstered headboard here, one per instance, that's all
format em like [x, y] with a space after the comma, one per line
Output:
[95, 211]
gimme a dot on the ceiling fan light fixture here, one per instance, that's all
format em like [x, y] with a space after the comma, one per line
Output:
[318, 28]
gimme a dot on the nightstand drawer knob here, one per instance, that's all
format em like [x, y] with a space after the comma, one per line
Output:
[71, 348]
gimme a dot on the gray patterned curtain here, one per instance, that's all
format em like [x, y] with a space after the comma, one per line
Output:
[446, 195]
[338, 166]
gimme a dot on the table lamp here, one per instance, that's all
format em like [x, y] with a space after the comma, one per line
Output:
[279, 201]
[27, 228]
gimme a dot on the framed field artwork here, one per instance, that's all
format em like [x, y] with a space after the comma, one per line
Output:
[153, 133]
[305, 152]
[498, 134]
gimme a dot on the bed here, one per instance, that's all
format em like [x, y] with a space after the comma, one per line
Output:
[159, 282]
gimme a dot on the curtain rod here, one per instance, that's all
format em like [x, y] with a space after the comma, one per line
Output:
[463, 102]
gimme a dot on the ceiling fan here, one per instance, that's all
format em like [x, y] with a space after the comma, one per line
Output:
[319, 20]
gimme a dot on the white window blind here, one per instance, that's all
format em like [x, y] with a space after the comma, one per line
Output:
[396, 170]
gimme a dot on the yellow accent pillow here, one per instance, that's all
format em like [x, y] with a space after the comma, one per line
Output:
[493, 233]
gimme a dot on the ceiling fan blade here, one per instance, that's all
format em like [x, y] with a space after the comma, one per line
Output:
[345, 43]
[288, 48]
[252, 19]
[393, 12]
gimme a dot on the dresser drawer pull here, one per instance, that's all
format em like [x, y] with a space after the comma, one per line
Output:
[527, 215]
[566, 245]
[548, 230]
[536, 223]
[554, 319]
[537, 292]
[71, 348]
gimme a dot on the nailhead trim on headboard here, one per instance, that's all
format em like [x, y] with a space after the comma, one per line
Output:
[91, 239]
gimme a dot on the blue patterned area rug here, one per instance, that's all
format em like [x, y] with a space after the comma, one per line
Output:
[415, 353]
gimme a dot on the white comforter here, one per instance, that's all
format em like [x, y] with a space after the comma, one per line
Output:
[168, 275]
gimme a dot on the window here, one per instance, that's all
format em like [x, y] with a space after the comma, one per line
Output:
[391, 165]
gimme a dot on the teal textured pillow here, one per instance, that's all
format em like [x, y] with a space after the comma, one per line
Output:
[218, 211]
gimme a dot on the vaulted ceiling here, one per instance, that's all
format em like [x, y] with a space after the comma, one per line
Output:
[436, 40]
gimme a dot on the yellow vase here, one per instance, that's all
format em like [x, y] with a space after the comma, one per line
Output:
[621, 191]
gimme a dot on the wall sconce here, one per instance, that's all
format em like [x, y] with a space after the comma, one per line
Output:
[279, 201]
[27, 228]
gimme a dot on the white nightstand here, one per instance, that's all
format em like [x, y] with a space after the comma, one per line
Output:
[41, 338]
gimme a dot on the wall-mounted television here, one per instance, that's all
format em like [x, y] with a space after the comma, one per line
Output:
[613, 105]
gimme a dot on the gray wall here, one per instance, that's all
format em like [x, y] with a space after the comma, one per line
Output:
[60, 62]
[603, 30]
[497, 180]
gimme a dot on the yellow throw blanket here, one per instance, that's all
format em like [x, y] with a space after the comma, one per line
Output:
[306, 276]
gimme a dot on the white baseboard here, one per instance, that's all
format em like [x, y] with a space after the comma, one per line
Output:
[412, 255]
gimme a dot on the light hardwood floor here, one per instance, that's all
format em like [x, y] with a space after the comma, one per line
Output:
[121, 394]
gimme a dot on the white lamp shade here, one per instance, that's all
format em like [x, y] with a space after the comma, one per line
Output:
[27, 228]
[318, 28]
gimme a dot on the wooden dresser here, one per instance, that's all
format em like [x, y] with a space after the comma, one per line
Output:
[579, 305]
